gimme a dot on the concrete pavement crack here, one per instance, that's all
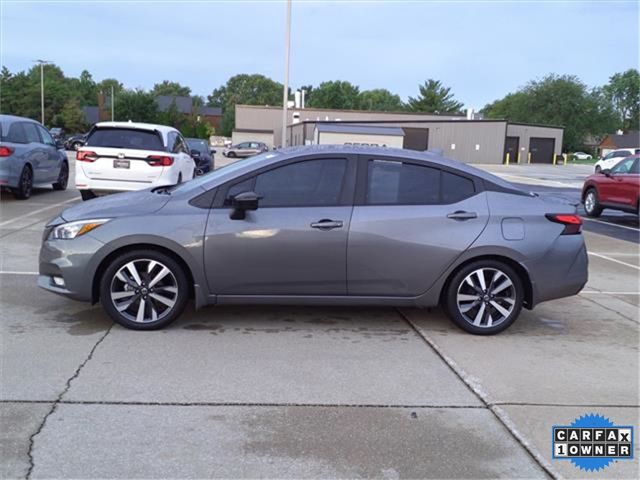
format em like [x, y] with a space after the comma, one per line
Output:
[483, 396]
[58, 400]
[636, 321]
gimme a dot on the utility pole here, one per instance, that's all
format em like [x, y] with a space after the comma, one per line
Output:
[285, 93]
[113, 102]
[42, 63]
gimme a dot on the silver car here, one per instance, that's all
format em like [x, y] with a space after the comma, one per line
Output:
[321, 225]
[245, 149]
[29, 156]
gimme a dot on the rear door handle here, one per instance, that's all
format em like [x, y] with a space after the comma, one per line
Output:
[327, 224]
[461, 215]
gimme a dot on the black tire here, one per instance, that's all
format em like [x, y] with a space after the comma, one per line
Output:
[483, 307]
[76, 145]
[592, 205]
[25, 184]
[231, 155]
[87, 195]
[63, 177]
[598, 169]
[110, 281]
[179, 178]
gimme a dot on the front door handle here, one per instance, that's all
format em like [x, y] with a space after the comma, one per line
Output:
[462, 215]
[327, 224]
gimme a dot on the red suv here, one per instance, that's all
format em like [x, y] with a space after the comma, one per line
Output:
[617, 188]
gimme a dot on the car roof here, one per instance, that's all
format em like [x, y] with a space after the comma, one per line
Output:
[137, 125]
[15, 118]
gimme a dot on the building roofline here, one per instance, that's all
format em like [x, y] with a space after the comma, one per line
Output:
[536, 125]
[395, 112]
[484, 120]
[252, 130]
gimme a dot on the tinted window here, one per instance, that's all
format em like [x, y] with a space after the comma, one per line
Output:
[312, 182]
[622, 153]
[244, 186]
[16, 134]
[125, 138]
[31, 133]
[199, 145]
[397, 183]
[456, 188]
[635, 168]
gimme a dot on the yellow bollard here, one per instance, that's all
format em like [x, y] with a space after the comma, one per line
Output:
[554, 158]
[507, 162]
[564, 156]
[518, 158]
[529, 157]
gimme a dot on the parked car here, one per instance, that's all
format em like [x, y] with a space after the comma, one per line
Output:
[74, 142]
[57, 133]
[202, 154]
[582, 156]
[29, 156]
[617, 188]
[121, 156]
[321, 225]
[245, 149]
[612, 158]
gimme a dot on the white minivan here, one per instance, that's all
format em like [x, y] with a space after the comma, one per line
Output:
[124, 156]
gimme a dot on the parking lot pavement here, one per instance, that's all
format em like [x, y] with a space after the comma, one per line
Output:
[295, 392]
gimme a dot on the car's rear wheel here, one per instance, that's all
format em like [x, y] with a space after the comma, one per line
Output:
[484, 297]
[144, 290]
[87, 195]
[592, 203]
[63, 177]
[231, 154]
[25, 184]
[598, 169]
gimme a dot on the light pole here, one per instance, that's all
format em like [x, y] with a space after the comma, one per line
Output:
[113, 101]
[285, 93]
[42, 63]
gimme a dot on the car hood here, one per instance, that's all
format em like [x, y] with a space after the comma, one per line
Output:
[117, 205]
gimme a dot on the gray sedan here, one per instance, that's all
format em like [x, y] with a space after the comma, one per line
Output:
[321, 225]
[29, 156]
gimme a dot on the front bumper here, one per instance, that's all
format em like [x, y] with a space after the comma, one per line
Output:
[71, 262]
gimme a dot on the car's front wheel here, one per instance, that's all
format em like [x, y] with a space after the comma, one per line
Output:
[592, 203]
[484, 297]
[144, 290]
[63, 177]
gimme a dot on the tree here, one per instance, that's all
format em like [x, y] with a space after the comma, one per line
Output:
[86, 88]
[380, 99]
[623, 91]
[434, 98]
[170, 88]
[72, 117]
[136, 105]
[557, 100]
[335, 94]
[244, 89]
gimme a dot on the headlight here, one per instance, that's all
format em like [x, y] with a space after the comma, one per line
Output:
[70, 230]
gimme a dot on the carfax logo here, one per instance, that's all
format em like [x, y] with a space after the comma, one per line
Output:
[592, 442]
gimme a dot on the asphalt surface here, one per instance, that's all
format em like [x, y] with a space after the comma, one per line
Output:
[292, 392]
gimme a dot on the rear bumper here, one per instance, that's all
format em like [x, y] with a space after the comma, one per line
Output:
[8, 175]
[85, 183]
[562, 272]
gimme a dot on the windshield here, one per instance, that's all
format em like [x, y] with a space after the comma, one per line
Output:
[204, 180]
[197, 144]
[125, 138]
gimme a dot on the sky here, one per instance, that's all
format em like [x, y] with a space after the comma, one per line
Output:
[481, 49]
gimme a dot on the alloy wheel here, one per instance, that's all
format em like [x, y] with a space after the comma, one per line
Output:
[26, 182]
[144, 291]
[486, 297]
[590, 202]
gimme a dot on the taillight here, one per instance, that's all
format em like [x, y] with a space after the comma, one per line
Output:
[159, 161]
[5, 151]
[572, 223]
[85, 156]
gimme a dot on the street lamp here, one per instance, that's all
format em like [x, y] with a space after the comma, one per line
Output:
[42, 63]
[285, 93]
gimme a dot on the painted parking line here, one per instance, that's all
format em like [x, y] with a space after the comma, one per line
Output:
[595, 292]
[9, 272]
[35, 212]
[611, 224]
[613, 260]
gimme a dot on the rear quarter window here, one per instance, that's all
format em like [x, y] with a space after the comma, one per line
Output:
[456, 188]
[125, 138]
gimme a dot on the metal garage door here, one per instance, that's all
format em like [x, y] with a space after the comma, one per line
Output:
[542, 149]
[511, 146]
[416, 138]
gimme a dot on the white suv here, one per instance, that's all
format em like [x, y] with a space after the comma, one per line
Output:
[120, 156]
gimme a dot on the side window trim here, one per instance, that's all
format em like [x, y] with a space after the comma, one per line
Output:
[346, 197]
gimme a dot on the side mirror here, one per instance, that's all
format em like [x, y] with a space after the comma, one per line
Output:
[195, 153]
[241, 203]
[606, 172]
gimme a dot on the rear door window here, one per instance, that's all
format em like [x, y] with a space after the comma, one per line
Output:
[31, 133]
[125, 138]
[396, 183]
